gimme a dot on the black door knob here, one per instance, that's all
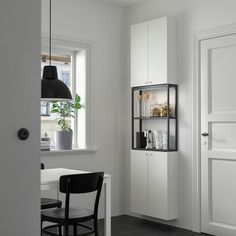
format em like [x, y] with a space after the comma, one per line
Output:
[205, 134]
[23, 134]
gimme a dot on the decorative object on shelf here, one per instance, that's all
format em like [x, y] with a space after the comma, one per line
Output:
[148, 135]
[64, 109]
[145, 104]
[139, 98]
[141, 140]
[164, 110]
[164, 140]
[157, 139]
[53, 89]
[155, 110]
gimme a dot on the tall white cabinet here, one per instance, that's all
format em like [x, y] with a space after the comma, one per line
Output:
[153, 52]
[153, 172]
[154, 184]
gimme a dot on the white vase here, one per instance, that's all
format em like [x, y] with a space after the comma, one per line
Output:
[63, 140]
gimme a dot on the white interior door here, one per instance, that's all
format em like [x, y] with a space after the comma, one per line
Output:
[218, 150]
[20, 100]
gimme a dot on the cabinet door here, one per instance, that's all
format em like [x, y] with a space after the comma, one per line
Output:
[158, 185]
[157, 51]
[139, 52]
[139, 182]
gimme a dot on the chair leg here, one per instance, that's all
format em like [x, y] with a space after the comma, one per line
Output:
[75, 229]
[41, 227]
[59, 230]
[66, 230]
[96, 227]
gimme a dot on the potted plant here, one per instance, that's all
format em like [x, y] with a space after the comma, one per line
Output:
[63, 110]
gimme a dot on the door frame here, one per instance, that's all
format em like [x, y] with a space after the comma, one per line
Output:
[196, 117]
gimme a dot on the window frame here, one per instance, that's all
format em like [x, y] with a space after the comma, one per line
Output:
[75, 45]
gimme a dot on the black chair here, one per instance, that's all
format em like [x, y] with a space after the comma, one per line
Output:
[47, 203]
[68, 216]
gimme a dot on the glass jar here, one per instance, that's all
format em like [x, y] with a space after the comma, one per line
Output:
[138, 102]
[149, 140]
[157, 139]
[145, 105]
[164, 110]
[164, 140]
[155, 110]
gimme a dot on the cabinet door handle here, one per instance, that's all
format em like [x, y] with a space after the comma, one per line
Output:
[205, 134]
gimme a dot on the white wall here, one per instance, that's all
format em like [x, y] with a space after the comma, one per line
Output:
[191, 16]
[103, 25]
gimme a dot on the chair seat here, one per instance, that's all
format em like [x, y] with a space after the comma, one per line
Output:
[75, 214]
[47, 203]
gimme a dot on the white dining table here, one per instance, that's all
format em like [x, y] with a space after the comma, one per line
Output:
[50, 180]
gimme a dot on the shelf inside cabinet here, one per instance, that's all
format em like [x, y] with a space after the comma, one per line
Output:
[154, 117]
[154, 150]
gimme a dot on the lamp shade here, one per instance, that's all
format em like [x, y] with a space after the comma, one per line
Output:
[53, 89]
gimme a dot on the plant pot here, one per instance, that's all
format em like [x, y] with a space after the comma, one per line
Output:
[63, 140]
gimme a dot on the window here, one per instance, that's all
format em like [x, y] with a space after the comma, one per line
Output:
[71, 60]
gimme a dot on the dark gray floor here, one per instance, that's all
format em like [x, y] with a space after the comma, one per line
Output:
[131, 226]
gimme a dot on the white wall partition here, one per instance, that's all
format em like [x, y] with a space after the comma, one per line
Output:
[20, 98]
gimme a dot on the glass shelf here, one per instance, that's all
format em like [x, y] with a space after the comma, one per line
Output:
[154, 117]
[154, 150]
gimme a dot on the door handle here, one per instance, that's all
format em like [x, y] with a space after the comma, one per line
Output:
[204, 134]
[23, 134]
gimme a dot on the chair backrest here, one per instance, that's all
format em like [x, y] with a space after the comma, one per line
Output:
[81, 183]
[42, 166]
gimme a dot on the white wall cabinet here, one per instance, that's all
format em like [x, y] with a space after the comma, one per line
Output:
[154, 184]
[153, 52]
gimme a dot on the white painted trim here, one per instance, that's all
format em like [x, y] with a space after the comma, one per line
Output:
[74, 151]
[73, 44]
[196, 194]
[196, 127]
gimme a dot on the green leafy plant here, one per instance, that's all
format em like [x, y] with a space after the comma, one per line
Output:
[65, 109]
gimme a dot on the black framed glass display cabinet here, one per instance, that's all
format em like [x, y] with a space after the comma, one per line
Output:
[154, 118]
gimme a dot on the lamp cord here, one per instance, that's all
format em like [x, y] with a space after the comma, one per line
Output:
[50, 31]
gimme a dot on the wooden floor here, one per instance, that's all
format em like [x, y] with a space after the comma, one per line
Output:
[130, 226]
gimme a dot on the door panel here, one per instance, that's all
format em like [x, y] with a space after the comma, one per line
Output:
[158, 184]
[222, 78]
[223, 192]
[139, 182]
[139, 54]
[157, 50]
[218, 151]
[20, 105]
[223, 135]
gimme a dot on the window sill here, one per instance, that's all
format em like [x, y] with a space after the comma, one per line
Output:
[74, 151]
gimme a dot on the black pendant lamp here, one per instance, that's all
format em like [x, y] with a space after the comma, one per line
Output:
[53, 89]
